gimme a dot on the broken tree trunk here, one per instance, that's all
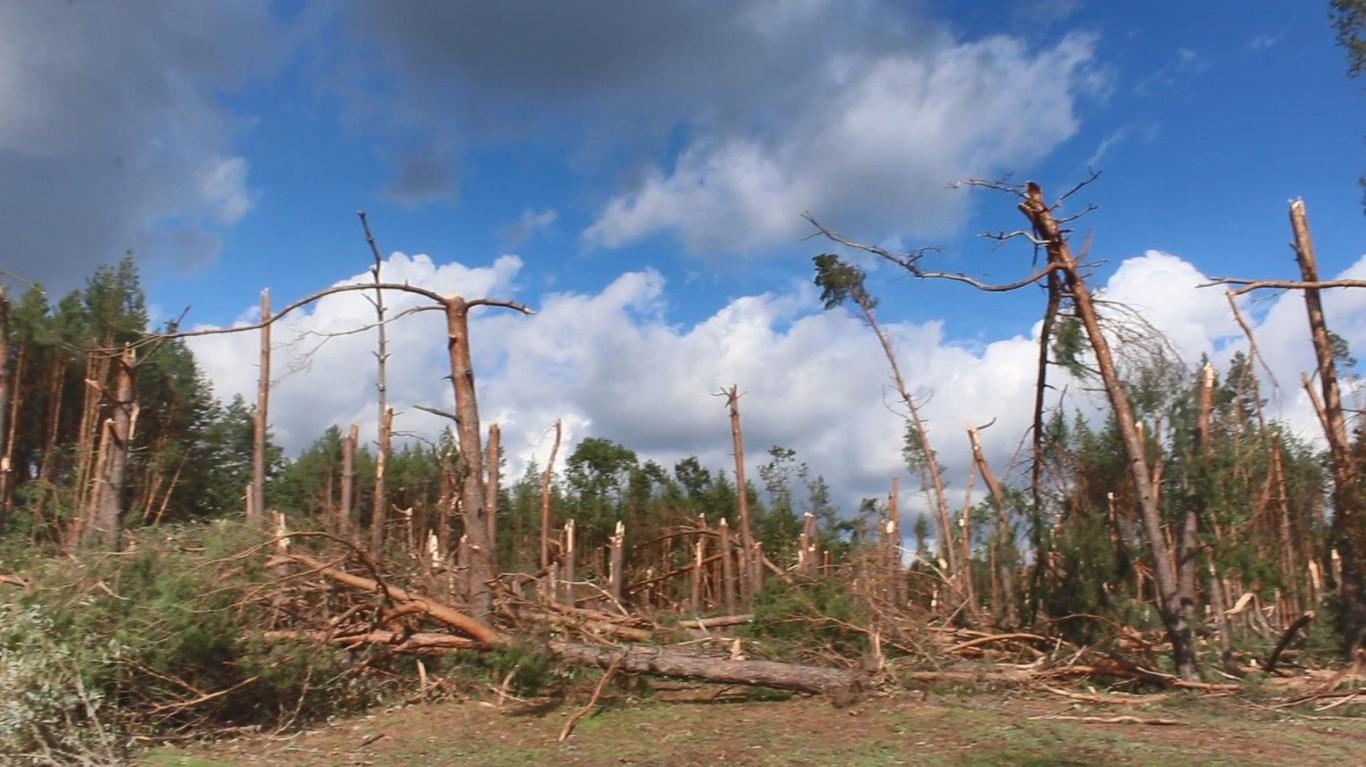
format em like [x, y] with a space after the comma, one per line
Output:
[1175, 619]
[379, 508]
[483, 565]
[1005, 536]
[614, 561]
[1348, 530]
[751, 569]
[567, 562]
[727, 568]
[491, 497]
[546, 520]
[106, 524]
[258, 443]
[348, 481]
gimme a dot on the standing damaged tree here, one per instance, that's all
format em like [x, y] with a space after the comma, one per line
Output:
[455, 308]
[842, 283]
[1348, 527]
[1047, 231]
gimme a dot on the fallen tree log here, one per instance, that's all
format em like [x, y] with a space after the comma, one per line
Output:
[673, 663]
[476, 629]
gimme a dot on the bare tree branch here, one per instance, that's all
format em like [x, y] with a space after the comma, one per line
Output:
[910, 262]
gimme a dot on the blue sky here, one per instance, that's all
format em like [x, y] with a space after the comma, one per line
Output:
[1210, 117]
[652, 162]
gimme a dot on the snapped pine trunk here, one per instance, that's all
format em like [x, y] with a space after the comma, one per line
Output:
[106, 523]
[258, 446]
[1348, 530]
[1175, 619]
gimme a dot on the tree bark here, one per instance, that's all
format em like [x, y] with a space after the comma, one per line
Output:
[673, 663]
[546, 520]
[615, 576]
[1175, 619]
[258, 449]
[379, 509]
[106, 528]
[348, 481]
[1349, 534]
[752, 570]
[482, 564]
[1005, 577]
[491, 499]
[727, 567]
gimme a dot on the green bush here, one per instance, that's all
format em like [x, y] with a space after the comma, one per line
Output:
[809, 615]
[107, 645]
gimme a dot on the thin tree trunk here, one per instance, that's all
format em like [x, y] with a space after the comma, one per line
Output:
[348, 481]
[546, 520]
[1176, 620]
[567, 562]
[6, 391]
[615, 577]
[1348, 532]
[258, 450]
[491, 498]
[699, 554]
[752, 569]
[379, 510]
[1005, 579]
[381, 499]
[727, 568]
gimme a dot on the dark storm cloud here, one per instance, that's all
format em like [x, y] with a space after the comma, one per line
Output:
[111, 136]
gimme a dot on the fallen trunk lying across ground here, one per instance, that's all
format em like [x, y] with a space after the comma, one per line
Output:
[637, 659]
[675, 663]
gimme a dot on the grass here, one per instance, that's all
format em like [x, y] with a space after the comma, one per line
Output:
[979, 730]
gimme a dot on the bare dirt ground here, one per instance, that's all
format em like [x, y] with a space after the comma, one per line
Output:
[695, 727]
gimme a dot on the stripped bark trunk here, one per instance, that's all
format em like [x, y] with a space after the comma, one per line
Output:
[483, 565]
[258, 445]
[614, 561]
[379, 508]
[106, 528]
[491, 496]
[1348, 530]
[568, 562]
[348, 481]
[699, 554]
[727, 567]
[751, 568]
[1005, 537]
[385, 422]
[546, 520]
[1174, 618]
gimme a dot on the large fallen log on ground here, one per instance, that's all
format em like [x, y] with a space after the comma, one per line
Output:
[674, 663]
[636, 659]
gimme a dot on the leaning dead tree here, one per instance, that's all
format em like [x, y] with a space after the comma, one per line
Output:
[840, 283]
[455, 308]
[1349, 506]
[1047, 231]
